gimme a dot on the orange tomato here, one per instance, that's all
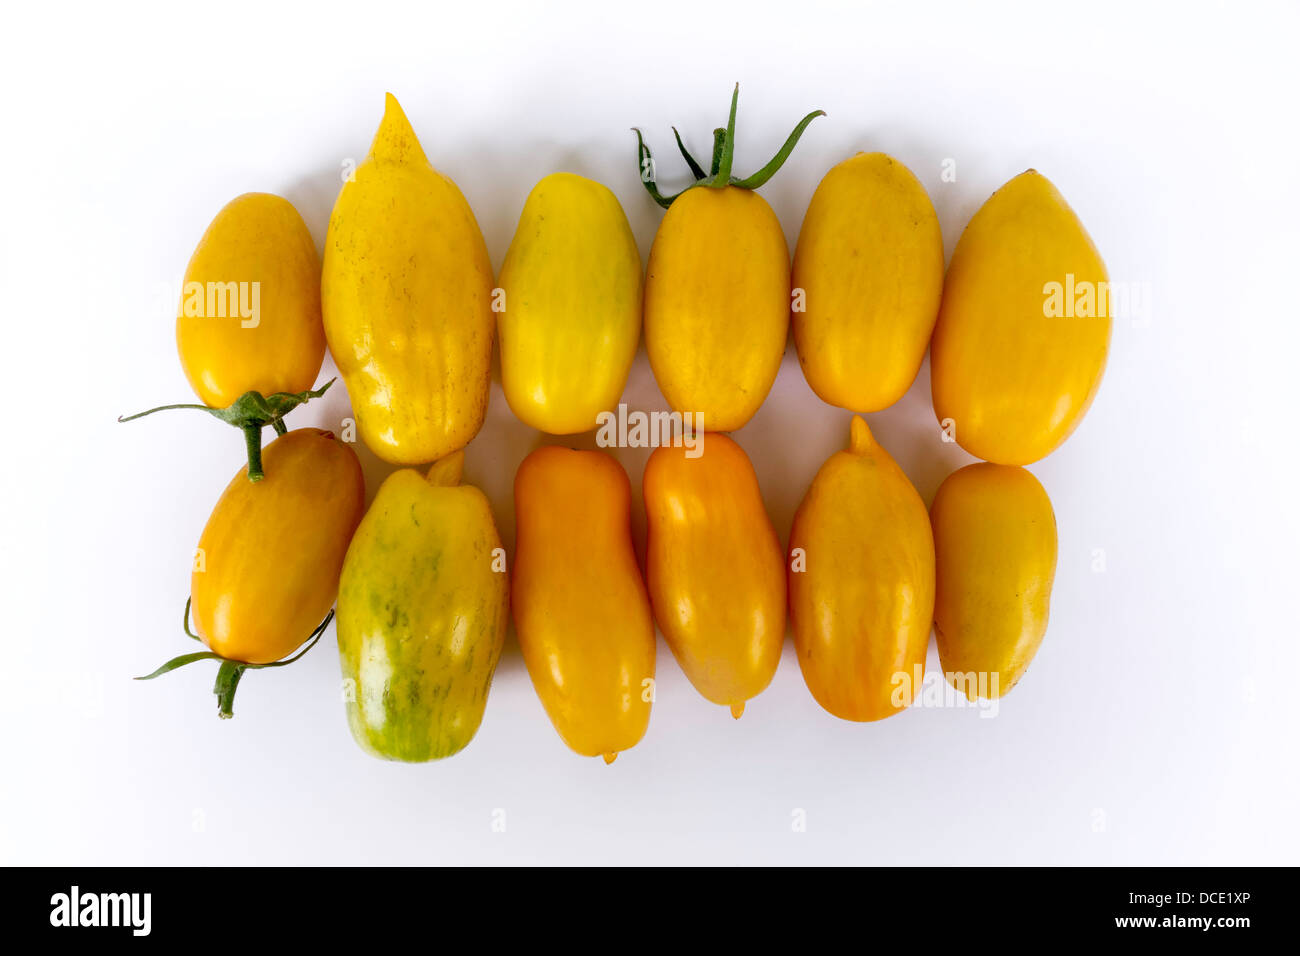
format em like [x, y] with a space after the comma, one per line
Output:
[581, 611]
[268, 561]
[714, 569]
[862, 583]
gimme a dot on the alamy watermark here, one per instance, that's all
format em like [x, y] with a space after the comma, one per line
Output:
[979, 689]
[638, 429]
[1085, 299]
[222, 300]
[76, 908]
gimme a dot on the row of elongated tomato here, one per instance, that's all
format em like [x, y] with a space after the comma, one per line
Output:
[406, 300]
[425, 591]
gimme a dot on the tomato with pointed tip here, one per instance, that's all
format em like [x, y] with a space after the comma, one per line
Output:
[862, 583]
[406, 291]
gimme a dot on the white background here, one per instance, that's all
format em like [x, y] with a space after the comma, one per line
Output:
[1156, 725]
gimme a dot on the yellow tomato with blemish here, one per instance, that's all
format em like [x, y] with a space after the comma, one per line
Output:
[406, 291]
[422, 614]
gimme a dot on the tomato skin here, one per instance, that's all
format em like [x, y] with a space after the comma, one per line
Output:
[581, 611]
[869, 262]
[862, 606]
[267, 567]
[257, 238]
[1010, 379]
[406, 289]
[715, 569]
[717, 304]
[572, 318]
[422, 615]
[995, 550]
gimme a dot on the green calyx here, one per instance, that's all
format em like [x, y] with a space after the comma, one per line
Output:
[230, 671]
[724, 150]
[250, 413]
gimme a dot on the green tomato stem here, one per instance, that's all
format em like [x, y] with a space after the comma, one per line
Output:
[719, 141]
[724, 154]
[249, 410]
[696, 170]
[777, 161]
[185, 621]
[230, 671]
[723, 175]
[228, 675]
[253, 444]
